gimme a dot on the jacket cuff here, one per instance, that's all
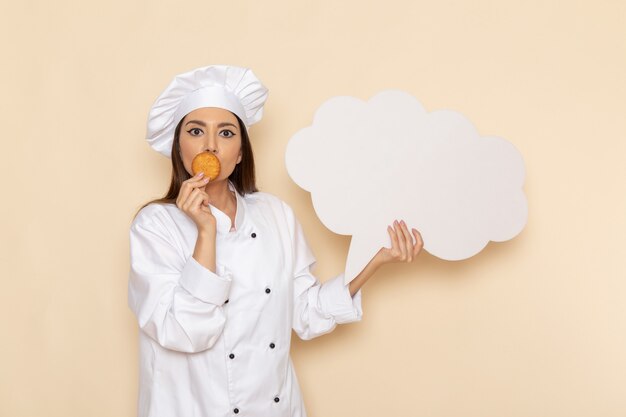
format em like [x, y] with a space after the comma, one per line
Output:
[204, 284]
[336, 301]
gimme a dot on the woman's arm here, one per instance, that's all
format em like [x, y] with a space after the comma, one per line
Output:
[177, 301]
[319, 307]
[403, 249]
[204, 251]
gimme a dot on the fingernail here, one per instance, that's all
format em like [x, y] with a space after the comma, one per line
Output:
[205, 180]
[200, 174]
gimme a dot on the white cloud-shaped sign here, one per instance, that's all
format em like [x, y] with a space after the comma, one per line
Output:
[369, 163]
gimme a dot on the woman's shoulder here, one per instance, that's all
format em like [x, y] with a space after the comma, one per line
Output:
[262, 197]
[268, 201]
[152, 213]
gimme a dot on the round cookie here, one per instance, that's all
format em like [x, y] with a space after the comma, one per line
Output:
[208, 163]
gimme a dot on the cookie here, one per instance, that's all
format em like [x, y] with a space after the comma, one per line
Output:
[208, 163]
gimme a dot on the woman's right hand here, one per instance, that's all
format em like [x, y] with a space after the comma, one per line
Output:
[194, 202]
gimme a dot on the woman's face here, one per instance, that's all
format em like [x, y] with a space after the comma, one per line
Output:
[215, 130]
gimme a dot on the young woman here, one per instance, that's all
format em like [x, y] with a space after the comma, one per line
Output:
[220, 272]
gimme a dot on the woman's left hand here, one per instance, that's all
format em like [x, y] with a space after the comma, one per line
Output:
[403, 247]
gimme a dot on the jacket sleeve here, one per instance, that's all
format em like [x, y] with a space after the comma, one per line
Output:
[318, 307]
[178, 302]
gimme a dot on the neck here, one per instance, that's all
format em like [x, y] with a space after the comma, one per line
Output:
[220, 195]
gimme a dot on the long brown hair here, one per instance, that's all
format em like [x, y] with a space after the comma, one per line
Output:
[243, 177]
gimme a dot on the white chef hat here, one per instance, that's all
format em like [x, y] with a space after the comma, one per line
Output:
[232, 88]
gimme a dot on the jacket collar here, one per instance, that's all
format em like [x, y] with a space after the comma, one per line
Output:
[223, 222]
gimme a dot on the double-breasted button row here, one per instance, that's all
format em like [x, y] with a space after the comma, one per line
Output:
[236, 410]
[267, 291]
[272, 346]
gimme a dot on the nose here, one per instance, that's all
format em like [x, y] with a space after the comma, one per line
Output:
[211, 141]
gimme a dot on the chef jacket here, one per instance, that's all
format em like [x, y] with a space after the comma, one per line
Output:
[217, 344]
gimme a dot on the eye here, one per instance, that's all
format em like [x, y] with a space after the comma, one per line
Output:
[195, 131]
[227, 133]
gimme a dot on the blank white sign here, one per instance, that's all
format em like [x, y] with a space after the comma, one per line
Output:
[369, 163]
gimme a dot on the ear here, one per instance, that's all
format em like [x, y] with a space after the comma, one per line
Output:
[239, 157]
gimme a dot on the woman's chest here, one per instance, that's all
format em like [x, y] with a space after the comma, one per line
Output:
[257, 256]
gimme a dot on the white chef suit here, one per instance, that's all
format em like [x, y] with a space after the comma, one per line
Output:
[217, 344]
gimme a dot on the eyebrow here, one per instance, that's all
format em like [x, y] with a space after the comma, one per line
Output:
[201, 123]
